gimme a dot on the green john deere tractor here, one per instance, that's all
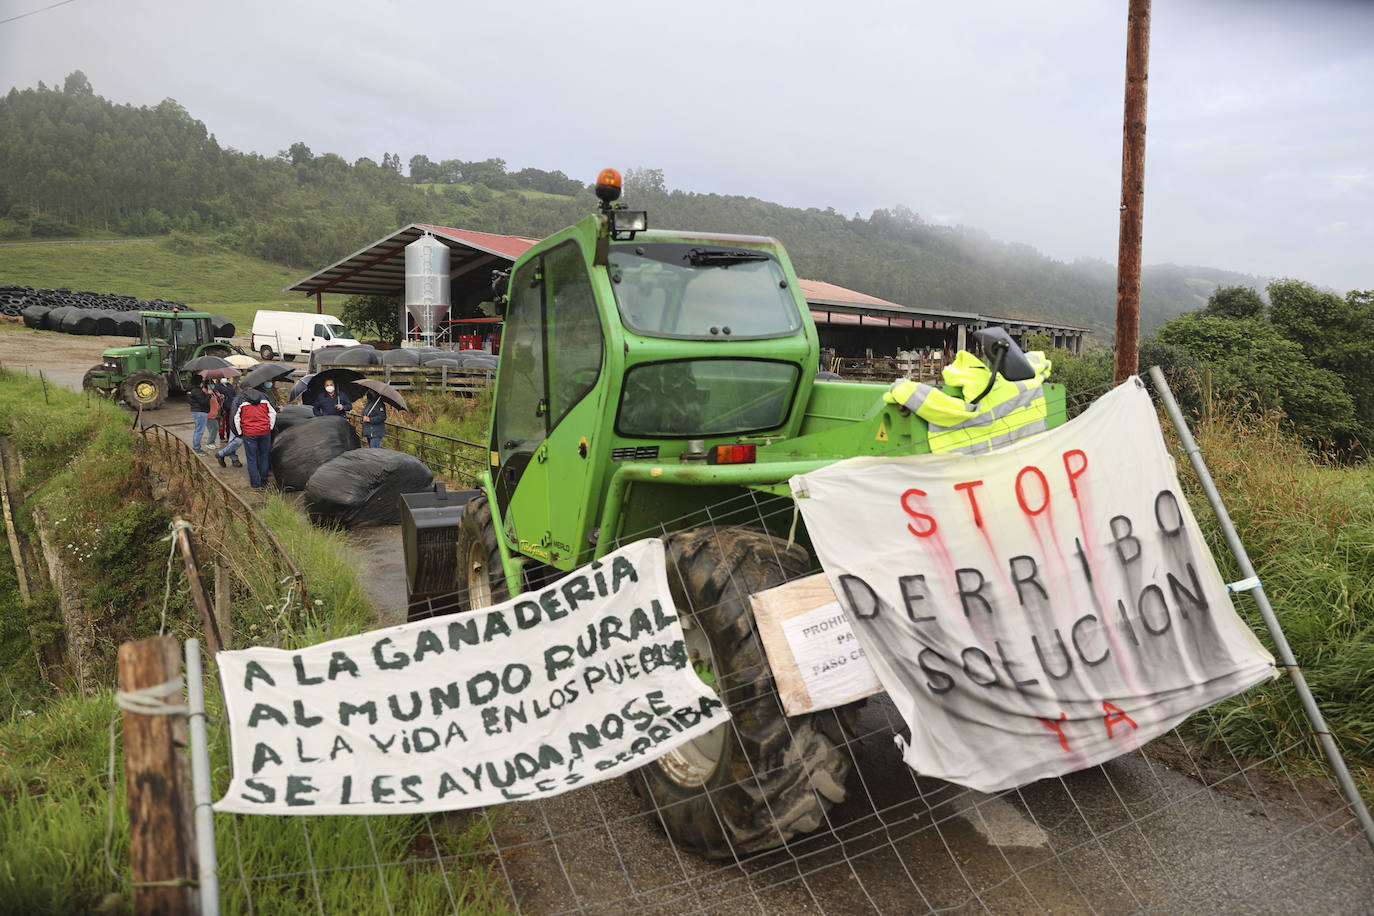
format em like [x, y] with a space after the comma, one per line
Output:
[663, 384]
[143, 375]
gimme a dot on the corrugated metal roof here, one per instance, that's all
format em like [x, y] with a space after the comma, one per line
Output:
[822, 295]
[379, 269]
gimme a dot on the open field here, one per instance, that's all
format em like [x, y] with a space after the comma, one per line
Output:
[186, 269]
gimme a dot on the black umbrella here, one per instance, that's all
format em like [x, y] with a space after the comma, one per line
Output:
[383, 391]
[267, 372]
[298, 388]
[201, 363]
[340, 376]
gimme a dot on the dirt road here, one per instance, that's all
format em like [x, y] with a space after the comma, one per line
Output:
[1159, 830]
[63, 359]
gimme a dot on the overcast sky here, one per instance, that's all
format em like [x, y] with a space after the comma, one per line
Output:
[1004, 115]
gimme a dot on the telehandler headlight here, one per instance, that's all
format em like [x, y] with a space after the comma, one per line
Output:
[625, 223]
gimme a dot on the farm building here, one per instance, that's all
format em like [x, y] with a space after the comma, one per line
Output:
[853, 326]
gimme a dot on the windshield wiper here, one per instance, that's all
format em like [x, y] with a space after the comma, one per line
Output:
[707, 257]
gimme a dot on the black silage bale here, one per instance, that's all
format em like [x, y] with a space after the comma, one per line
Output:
[362, 488]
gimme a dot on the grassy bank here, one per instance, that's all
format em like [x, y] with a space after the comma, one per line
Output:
[1309, 530]
[55, 790]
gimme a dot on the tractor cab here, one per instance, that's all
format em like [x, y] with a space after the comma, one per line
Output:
[145, 373]
[178, 336]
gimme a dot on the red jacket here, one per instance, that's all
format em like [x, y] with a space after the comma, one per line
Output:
[254, 419]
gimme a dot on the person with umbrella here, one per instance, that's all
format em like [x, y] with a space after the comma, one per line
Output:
[332, 402]
[199, 399]
[232, 440]
[379, 395]
[374, 419]
[263, 378]
[254, 420]
[223, 392]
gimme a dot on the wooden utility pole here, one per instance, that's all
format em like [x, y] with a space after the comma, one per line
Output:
[1132, 191]
[157, 778]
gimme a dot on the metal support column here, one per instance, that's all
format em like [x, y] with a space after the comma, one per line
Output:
[204, 815]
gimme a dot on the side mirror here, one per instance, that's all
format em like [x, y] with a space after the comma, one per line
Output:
[500, 283]
[1014, 365]
[1005, 358]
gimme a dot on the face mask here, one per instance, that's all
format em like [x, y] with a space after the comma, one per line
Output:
[329, 389]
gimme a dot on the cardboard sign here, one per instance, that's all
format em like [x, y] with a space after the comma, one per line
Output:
[817, 660]
[581, 681]
[1037, 609]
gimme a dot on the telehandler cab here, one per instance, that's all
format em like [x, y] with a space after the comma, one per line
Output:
[662, 384]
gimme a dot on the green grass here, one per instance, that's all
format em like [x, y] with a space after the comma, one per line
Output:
[54, 788]
[54, 796]
[1309, 530]
[180, 268]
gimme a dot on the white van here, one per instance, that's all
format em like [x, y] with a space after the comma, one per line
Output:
[292, 334]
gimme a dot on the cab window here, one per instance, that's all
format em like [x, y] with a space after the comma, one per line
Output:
[186, 331]
[521, 411]
[574, 331]
[158, 331]
[705, 292]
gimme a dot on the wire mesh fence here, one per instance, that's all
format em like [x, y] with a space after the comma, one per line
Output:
[220, 515]
[456, 461]
[1193, 821]
[1168, 828]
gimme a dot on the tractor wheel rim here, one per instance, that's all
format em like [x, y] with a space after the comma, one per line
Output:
[479, 584]
[145, 391]
[692, 764]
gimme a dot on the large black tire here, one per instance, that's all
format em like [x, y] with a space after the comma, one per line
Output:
[481, 580]
[144, 390]
[266, 353]
[86, 384]
[762, 778]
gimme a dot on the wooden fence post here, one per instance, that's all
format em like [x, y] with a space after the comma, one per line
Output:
[223, 594]
[157, 779]
[199, 594]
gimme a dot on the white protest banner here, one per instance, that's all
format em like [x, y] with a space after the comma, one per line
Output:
[1037, 609]
[580, 681]
[816, 659]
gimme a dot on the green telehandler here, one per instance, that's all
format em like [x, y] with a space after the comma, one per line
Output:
[663, 384]
[144, 374]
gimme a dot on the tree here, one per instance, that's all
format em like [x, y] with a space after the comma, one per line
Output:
[374, 317]
[422, 171]
[1234, 302]
[299, 153]
[1249, 359]
[77, 86]
[644, 180]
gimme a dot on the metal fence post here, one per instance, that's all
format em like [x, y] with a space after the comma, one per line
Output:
[1271, 620]
[206, 863]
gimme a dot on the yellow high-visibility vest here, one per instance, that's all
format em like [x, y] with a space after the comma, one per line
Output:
[1010, 411]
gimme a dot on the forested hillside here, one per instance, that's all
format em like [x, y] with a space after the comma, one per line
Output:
[73, 164]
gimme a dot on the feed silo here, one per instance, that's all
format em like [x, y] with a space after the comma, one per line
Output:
[427, 290]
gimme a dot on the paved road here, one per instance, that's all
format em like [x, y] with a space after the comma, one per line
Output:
[1143, 833]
